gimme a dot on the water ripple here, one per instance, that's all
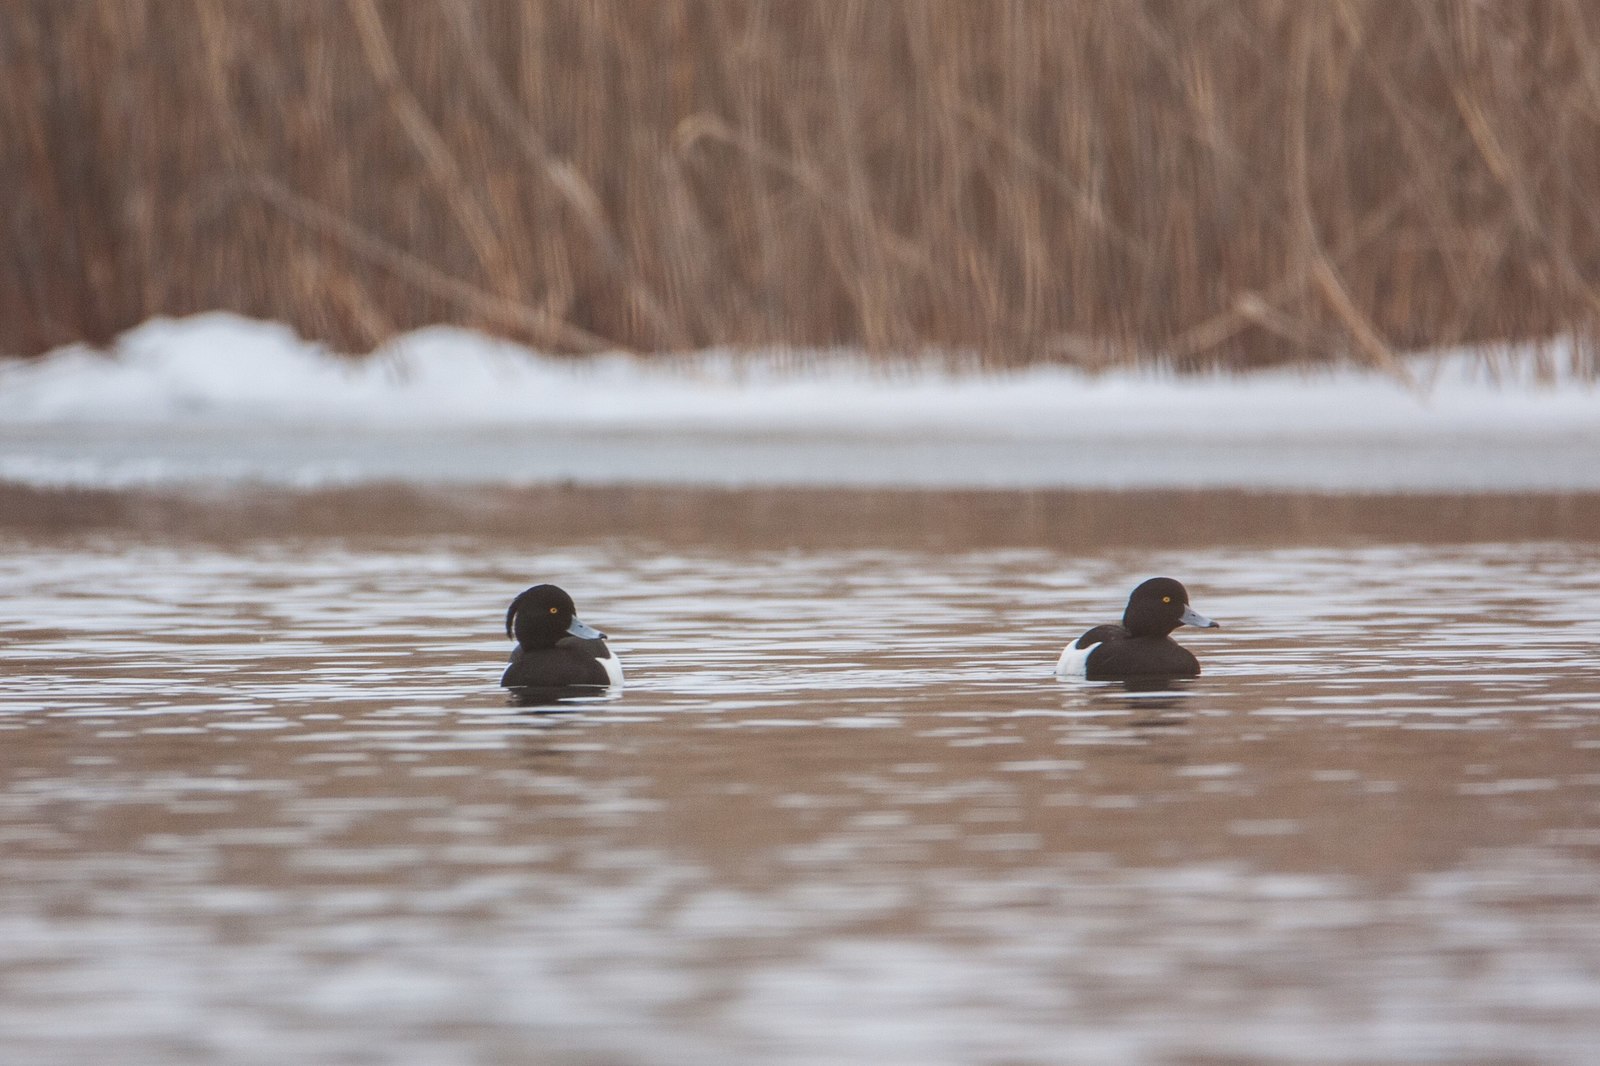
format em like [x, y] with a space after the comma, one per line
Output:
[266, 800]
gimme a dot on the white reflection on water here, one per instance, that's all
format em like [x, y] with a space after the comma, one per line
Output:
[265, 801]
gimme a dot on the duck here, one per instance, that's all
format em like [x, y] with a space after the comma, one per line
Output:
[554, 649]
[1139, 648]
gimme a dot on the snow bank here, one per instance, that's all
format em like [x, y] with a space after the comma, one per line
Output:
[220, 397]
[222, 367]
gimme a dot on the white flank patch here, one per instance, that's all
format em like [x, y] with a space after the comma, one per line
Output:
[1074, 661]
[613, 665]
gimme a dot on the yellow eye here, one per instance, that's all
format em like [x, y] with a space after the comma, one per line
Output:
[555, 610]
[1166, 599]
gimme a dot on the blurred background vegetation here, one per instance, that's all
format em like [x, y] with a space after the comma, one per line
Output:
[1240, 183]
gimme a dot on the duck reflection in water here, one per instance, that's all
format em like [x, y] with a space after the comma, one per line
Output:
[1154, 702]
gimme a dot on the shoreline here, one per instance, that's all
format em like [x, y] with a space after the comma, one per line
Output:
[941, 519]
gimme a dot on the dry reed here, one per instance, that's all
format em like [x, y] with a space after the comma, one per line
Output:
[1210, 182]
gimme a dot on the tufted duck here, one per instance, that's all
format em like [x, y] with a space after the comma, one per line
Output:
[555, 650]
[1139, 647]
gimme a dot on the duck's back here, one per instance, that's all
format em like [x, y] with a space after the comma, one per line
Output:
[1127, 656]
[1074, 658]
[572, 661]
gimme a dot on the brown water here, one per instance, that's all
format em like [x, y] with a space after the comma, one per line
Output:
[261, 801]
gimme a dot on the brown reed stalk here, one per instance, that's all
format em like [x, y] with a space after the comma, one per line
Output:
[1233, 184]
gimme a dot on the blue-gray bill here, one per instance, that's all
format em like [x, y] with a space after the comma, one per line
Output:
[588, 632]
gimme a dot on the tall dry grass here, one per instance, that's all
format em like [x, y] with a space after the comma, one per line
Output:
[1208, 181]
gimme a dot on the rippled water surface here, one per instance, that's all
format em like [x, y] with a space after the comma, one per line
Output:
[261, 801]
